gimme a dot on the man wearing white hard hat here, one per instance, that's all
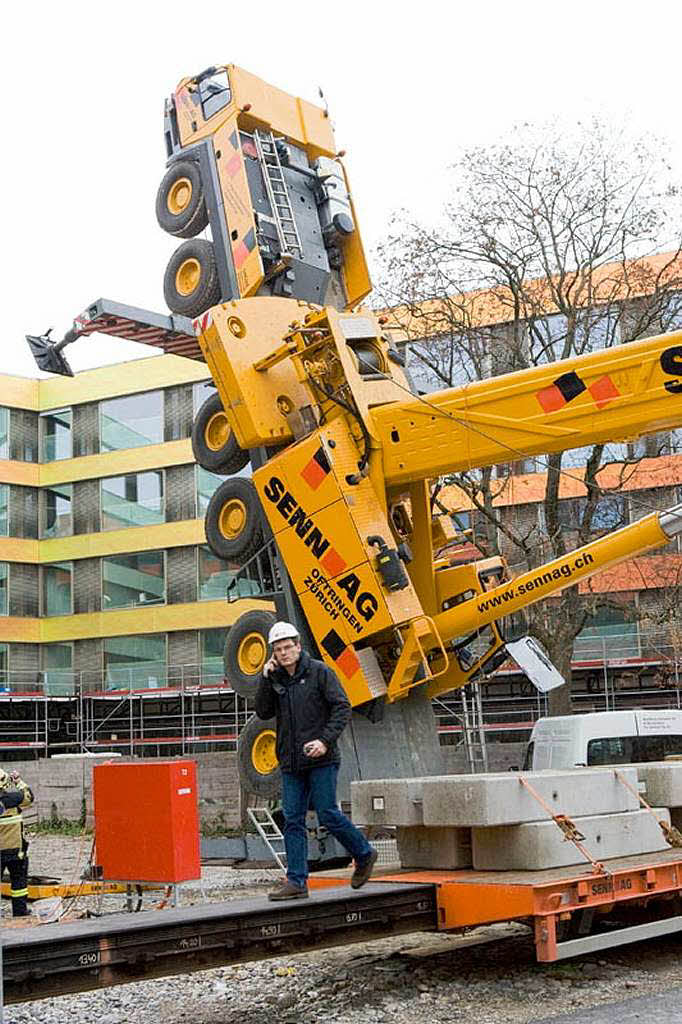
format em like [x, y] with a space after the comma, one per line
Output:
[312, 711]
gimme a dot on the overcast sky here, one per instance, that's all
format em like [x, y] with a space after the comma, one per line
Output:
[407, 85]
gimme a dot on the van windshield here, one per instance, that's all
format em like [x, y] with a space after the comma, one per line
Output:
[632, 749]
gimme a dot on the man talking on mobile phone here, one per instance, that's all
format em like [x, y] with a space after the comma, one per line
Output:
[312, 711]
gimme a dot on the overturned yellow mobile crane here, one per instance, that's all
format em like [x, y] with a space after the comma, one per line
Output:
[313, 393]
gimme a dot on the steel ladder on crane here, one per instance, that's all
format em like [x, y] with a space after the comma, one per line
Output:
[271, 834]
[278, 194]
[472, 728]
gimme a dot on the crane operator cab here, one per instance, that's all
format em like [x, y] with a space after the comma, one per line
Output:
[260, 169]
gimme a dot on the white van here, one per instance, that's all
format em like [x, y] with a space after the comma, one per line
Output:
[604, 737]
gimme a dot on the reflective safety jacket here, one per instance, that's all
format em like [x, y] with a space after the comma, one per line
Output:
[14, 794]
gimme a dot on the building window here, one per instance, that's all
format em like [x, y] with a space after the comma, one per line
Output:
[4, 655]
[56, 436]
[135, 662]
[609, 633]
[216, 575]
[212, 648]
[58, 676]
[131, 421]
[57, 588]
[56, 517]
[201, 390]
[130, 581]
[4, 433]
[207, 485]
[610, 513]
[132, 500]
[3, 587]
[4, 510]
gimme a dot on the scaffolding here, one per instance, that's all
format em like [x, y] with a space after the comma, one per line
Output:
[192, 708]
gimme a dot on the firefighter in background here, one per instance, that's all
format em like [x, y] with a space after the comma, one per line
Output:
[14, 795]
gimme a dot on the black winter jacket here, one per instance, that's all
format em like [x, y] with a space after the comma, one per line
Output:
[310, 705]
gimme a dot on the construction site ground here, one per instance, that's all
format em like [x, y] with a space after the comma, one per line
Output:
[485, 977]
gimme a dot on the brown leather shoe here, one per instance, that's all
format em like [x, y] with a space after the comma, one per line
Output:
[288, 891]
[363, 870]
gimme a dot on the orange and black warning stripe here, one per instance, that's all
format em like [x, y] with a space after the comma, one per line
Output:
[341, 654]
[569, 385]
[316, 471]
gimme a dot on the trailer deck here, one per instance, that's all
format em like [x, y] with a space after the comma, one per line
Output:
[560, 902]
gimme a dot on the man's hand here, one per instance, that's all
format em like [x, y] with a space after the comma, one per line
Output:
[269, 666]
[315, 748]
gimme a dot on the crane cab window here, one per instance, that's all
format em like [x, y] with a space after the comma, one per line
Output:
[214, 93]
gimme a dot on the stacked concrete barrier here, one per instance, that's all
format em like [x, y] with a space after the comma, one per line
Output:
[662, 785]
[493, 822]
[540, 844]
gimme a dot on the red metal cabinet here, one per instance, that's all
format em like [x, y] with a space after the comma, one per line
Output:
[147, 821]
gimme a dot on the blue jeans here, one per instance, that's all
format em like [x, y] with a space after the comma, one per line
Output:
[315, 787]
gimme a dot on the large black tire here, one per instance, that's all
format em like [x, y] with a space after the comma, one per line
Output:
[246, 651]
[258, 769]
[234, 523]
[213, 442]
[180, 203]
[190, 284]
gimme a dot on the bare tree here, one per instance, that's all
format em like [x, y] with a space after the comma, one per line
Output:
[548, 247]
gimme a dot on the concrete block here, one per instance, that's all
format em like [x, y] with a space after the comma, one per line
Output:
[434, 848]
[541, 844]
[387, 802]
[500, 799]
[662, 781]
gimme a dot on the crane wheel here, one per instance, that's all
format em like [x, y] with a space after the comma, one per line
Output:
[234, 524]
[190, 284]
[180, 203]
[246, 651]
[214, 445]
[258, 766]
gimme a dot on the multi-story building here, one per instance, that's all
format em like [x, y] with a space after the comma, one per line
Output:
[106, 584]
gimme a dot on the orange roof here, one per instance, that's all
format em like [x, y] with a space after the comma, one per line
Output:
[598, 286]
[529, 488]
[643, 573]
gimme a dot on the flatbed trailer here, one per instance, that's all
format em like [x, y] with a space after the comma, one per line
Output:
[572, 911]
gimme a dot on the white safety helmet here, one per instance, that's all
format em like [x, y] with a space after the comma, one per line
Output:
[282, 631]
